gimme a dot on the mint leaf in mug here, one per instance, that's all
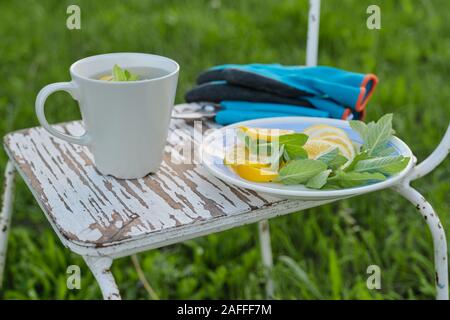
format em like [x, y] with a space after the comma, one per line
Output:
[119, 74]
[131, 76]
[300, 171]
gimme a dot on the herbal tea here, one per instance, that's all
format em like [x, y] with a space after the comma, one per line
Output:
[130, 74]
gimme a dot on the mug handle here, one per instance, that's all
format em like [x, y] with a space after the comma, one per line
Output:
[42, 96]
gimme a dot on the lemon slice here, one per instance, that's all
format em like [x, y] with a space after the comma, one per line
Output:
[239, 155]
[345, 145]
[255, 174]
[336, 136]
[317, 147]
[321, 130]
[264, 134]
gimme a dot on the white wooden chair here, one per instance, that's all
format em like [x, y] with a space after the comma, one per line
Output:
[103, 218]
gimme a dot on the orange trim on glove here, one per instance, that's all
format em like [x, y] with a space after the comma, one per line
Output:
[364, 96]
[346, 113]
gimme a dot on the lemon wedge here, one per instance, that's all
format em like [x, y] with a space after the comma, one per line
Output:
[264, 134]
[254, 174]
[323, 135]
[317, 147]
[345, 145]
[239, 155]
[321, 130]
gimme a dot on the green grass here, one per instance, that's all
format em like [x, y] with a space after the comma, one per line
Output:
[320, 253]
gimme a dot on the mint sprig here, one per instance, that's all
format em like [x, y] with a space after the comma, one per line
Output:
[355, 179]
[300, 171]
[319, 180]
[375, 135]
[333, 159]
[292, 144]
[373, 162]
[386, 165]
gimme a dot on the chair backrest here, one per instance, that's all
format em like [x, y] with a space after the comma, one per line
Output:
[312, 40]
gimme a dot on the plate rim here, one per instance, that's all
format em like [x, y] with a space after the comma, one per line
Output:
[306, 194]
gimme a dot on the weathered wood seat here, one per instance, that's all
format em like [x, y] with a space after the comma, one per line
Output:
[93, 212]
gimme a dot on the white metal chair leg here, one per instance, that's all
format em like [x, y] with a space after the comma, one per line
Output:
[5, 215]
[100, 267]
[266, 253]
[438, 234]
[428, 213]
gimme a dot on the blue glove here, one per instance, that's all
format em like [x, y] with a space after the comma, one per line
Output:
[347, 89]
[236, 111]
[218, 91]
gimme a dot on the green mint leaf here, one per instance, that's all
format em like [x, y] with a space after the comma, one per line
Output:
[118, 73]
[354, 179]
[296, 152]
[360, 156]
[386, 165]
[131, 76]
[331, 185]
[300, 171]
[319, 180]
[396, 167]
[383, 151]
[293, 145]
[379, 133]
[286, 156]
[337, 162]
[360, 127]
[293, 138]
[329, 156]
[333, 159]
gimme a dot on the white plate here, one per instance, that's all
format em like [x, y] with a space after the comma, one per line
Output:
[214, 144]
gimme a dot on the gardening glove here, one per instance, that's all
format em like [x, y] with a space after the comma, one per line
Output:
[217, 91]
[237, 111]
[346, 88]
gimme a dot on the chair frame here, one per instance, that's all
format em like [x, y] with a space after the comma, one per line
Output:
[100, 264]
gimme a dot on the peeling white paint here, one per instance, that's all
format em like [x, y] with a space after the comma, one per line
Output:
[88, 207]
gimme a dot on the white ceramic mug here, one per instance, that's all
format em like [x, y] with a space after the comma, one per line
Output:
[126, 123]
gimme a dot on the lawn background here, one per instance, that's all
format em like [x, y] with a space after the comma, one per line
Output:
[319, 253]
